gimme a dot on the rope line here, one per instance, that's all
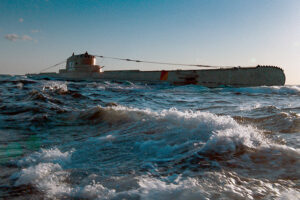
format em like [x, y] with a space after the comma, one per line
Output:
[156, 62]
[52, 66]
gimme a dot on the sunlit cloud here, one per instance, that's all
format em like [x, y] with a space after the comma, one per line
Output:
[14, 37]
[26, 37]
[21, 20]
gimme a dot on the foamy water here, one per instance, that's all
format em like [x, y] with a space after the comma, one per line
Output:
[123, 140]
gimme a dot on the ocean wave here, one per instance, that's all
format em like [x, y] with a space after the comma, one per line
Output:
[275, 157]
[16, 80]
[230, 185]
[49, 170]
[119, 86]
[55, 181]
[172, 135]
[53, 155]
[273, 120]
[56, 87]
[44, 170]
[110, 115]
[289, 195]
[292, 90]
[153, 141]
[40, 96]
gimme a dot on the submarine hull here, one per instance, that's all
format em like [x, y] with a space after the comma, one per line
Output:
[234, 77]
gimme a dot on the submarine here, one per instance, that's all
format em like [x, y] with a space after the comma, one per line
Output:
[83, 67]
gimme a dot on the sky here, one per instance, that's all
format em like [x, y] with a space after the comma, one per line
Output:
[35, 34]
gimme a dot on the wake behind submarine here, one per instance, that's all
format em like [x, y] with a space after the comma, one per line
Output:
[83, 67]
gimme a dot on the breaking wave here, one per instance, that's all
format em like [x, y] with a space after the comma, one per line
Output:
[237, 157]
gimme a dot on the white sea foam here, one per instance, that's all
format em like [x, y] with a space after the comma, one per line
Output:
[125, 86]
[45, 172]
[151, 188]
[248, 107]
[209, 185]
[107, 138]
[55, 86]
[289, 195]
[46, 155]
[37, 173]
[92, 191]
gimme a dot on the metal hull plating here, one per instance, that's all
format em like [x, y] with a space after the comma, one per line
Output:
[235, 77]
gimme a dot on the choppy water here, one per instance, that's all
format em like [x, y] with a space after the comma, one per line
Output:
[123, 140]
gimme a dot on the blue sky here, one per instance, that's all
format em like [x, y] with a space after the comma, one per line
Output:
[37, 34]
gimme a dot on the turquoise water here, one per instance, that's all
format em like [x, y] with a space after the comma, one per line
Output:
[123, 140]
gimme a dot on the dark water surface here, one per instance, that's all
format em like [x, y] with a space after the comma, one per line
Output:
[123, 140]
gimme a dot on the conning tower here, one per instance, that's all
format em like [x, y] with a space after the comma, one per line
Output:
[81, 63]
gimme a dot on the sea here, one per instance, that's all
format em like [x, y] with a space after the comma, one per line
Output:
[124, 140]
